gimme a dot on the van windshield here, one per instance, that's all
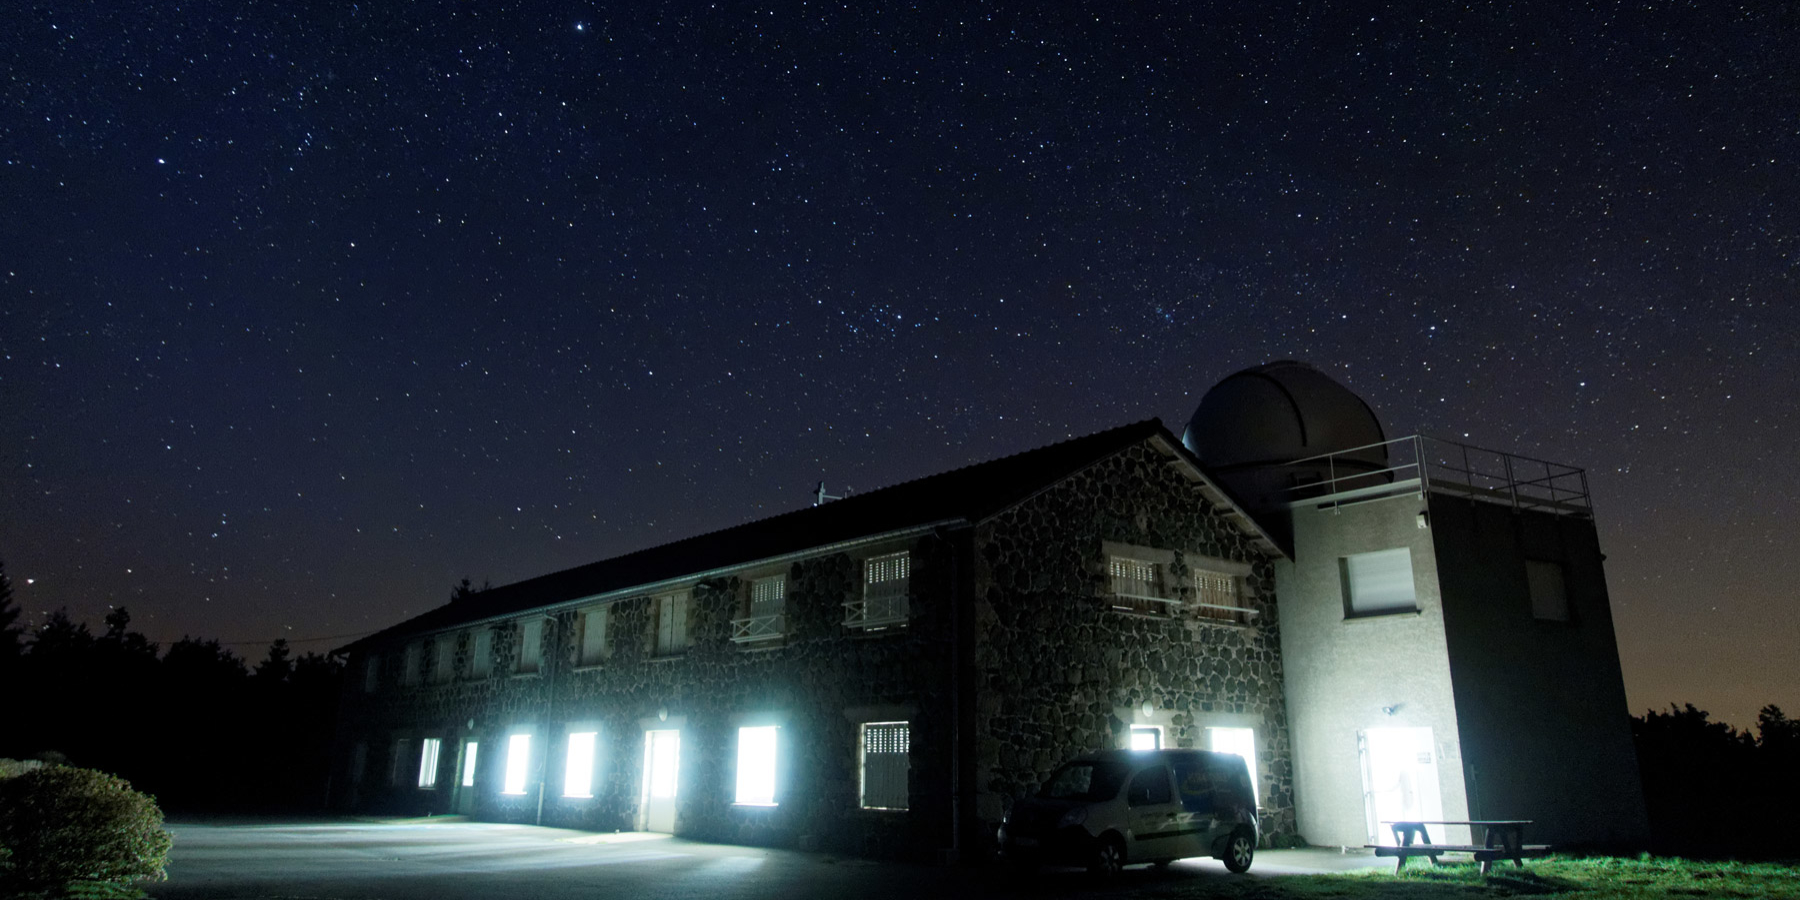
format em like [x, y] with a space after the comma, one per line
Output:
[1085, 781]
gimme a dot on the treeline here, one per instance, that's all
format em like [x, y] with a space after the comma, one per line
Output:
[1715, 791]
[194, 725]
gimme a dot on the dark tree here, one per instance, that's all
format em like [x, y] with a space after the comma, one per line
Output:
[277, 666]
[10, 630]
[466, 589]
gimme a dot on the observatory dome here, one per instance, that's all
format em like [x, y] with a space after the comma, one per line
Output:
[1273, 414]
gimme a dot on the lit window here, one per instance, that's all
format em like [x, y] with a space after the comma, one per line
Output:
[397, 764]
[763, 616]
[671, 623]
[578, 771]
[1379, 582]
[531, 645]
[1239, 741]
[886, 581]
[593, 636]
[468, 775]
[1146, 737]
[428, 763]
[1137, 586]
[371, 673]
[442, 666]
[756, 766]
[409, 674]
[886, 750]
[1549, 591]
[518, 763]
[481, 658]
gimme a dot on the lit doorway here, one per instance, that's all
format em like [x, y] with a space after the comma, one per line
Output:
[662, 767]
[465, 779]
[1400, 779]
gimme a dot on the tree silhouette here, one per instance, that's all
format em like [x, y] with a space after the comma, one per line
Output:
[10, 631]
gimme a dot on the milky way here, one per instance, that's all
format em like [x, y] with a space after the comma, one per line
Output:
[309, 309]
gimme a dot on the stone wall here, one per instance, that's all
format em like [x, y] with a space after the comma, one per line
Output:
[1056, 664]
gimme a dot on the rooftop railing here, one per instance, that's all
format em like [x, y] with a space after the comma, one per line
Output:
[1418, 464]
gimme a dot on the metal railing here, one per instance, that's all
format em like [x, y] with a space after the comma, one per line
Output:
[758, 628]
[1419, 464]
[876, 611]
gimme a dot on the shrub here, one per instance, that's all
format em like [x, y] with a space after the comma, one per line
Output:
[12, 767]
[66, 825]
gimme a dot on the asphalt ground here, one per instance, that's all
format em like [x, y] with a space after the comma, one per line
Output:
[450, 860]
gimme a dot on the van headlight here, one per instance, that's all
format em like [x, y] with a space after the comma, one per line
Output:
[1073, 817]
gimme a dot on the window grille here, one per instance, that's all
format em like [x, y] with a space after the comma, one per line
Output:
[1137, 586]
[886, 751]
[765, 615]
[886, 585]
[1216, 597]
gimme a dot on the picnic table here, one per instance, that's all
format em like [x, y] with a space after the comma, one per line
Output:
[1502, 839]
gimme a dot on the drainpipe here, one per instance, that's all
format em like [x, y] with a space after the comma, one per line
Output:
[550, 663]
[956, 689]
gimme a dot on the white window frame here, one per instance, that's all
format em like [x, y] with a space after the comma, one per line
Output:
[669, 623]
[764, 612]
[593, 648]
[1359, 572]
[758, 765]
[429, 749]
[581, 756]
[883, 742]
[471, 753]
[1154, 734]
[886, 593]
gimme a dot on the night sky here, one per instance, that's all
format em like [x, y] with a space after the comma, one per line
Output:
[308, 310]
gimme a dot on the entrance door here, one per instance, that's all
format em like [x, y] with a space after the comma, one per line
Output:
[1400, 779]
[465, 779]
[662, 765]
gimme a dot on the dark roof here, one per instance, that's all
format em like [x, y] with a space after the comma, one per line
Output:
[969, 494]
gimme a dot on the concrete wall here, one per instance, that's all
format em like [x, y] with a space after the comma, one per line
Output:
[1059, 672]
[1541, 704]
[1341, 672]
[817, 684]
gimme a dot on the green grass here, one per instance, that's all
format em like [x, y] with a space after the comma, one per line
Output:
[1590, 878]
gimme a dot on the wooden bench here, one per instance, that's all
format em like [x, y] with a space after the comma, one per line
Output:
[1503, 839]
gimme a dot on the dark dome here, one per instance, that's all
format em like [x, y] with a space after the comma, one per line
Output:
[1277, 413]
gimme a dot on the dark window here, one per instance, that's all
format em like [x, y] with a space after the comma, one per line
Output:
[1149, 786]
[1085, 781]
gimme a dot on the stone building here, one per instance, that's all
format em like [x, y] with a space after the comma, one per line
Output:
[884, 674]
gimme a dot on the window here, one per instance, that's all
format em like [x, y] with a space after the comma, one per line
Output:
[1549, 590]
[764, 616]
[886, 583]
[671, 623]
[409, 674]
[397, 765]
[1137, 586]
[428, 763]
[1378, 583]
[530, 646]
[1240, 741]
[1216, 596]
[593, 647]
[756, 766]
[1146, 737]
[518, 763]
[886, 755]
[444, 665]
[371, 674]
[481, 657]
[578, 770]
[1149, 787]
[468, 773]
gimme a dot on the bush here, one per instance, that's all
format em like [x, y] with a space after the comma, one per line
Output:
[65, 825]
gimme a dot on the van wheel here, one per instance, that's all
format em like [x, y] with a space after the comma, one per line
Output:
[1239, 851]
[1109, 857]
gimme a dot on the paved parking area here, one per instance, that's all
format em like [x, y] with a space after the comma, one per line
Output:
[451, 860]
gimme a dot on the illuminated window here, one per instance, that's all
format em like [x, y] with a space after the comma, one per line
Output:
[530, 646]
[1146, 737]
[756, 766]
[518, 764]
[409, 673]
[1378, 583]
[592, 623]
[371, 673]
[671, 623]
[1239, 741]
[886, 581]
[481, 653]
[428, 763]
[468, 775]
[1549, 592]
[578, 771]
[886, 751]
[443, 666]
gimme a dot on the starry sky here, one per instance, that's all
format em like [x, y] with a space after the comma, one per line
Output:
[308, 310]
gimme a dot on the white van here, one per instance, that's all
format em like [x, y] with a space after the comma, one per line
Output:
[1118, 807]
